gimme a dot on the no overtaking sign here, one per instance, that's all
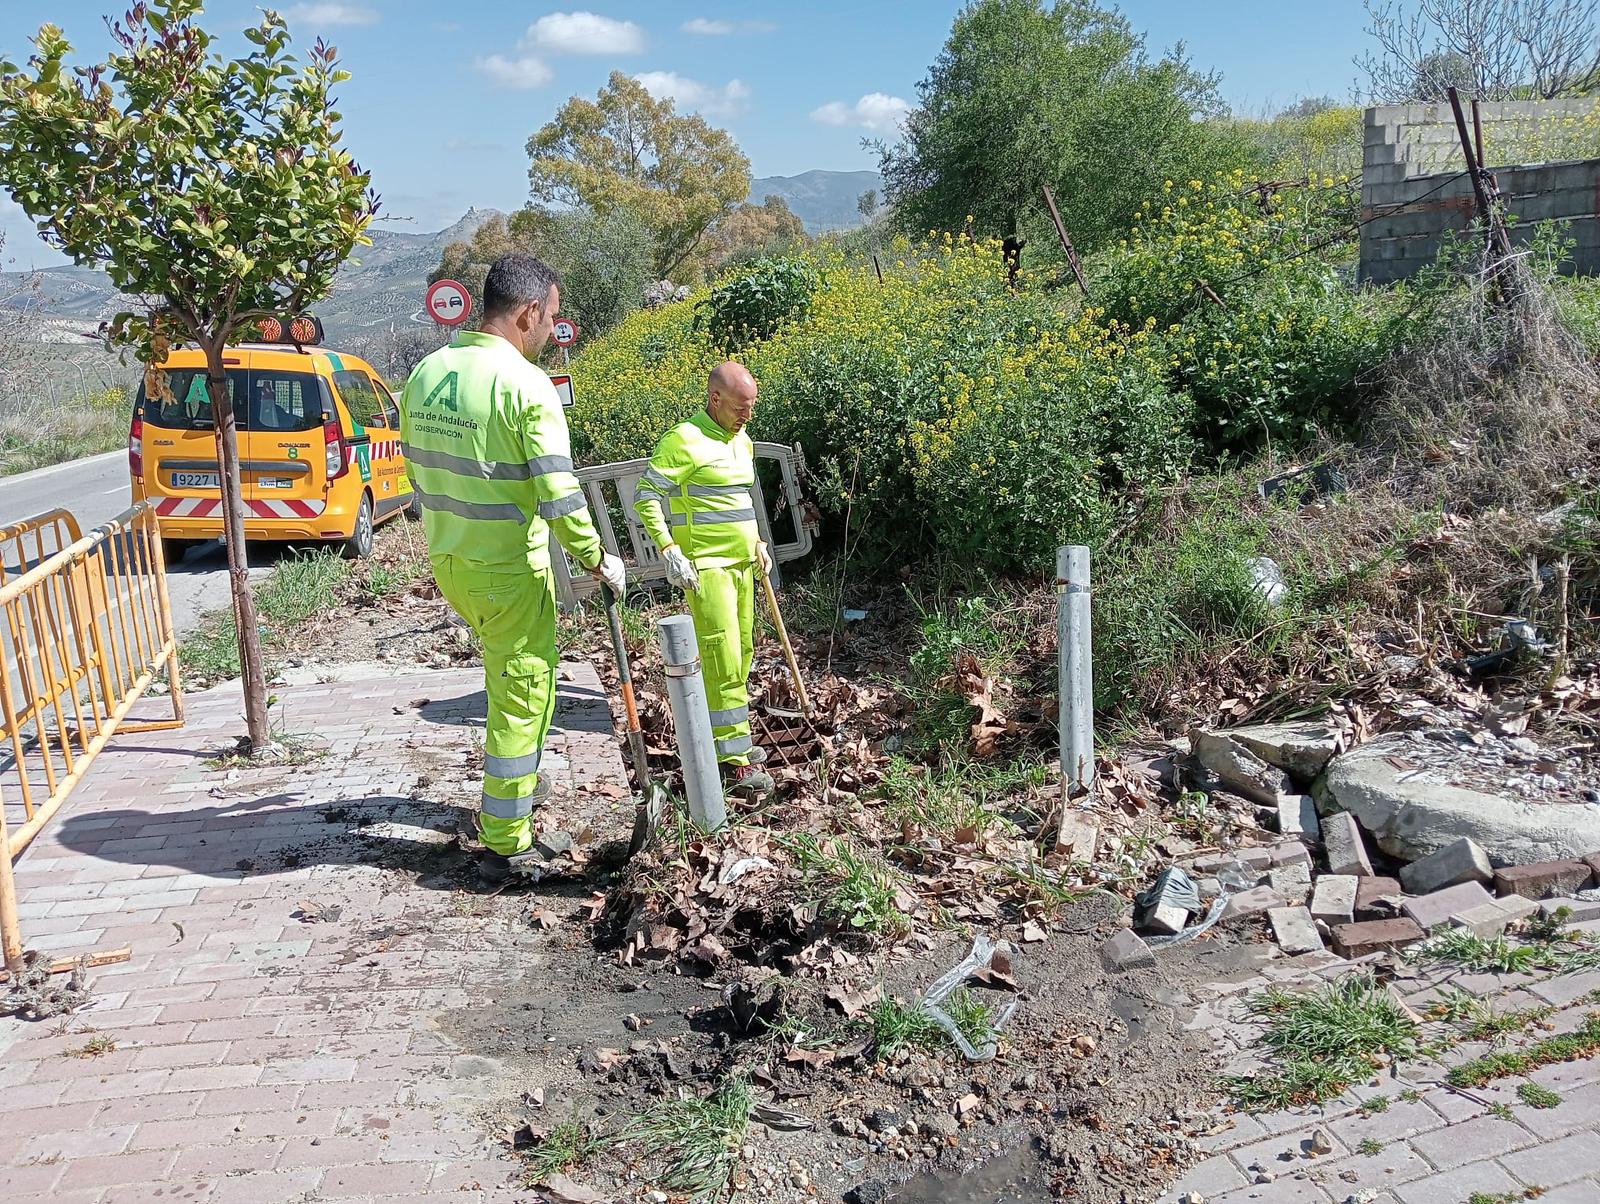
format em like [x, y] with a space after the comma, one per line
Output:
[448, 302]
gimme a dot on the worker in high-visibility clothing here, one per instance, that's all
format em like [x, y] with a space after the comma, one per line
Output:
[695, 502]
[489, 456]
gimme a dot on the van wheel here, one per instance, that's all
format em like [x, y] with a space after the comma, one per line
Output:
[359, 545]
[174, 550]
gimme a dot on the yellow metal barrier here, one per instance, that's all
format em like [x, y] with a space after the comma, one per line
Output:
[85, 628]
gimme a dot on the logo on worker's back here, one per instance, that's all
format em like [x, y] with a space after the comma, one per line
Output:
[443, 393]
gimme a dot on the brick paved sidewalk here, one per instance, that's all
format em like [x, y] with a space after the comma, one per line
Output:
[261, 1055]
[1439, 1145]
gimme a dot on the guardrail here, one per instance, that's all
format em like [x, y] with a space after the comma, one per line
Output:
[644, 563]
[84, 631]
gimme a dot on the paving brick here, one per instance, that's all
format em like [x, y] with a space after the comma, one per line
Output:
[1470, 1140]
[1543, 879]
[1294, 930]
[1373, 891]
[1585, 1192]
[1280, 1191]
[1460, 861]
[40, 1178]
[1578, 910]
[1553, 1163]
[331, 1151]
[162, 1106]
[1455, 1186]
[342, 1182]
[1579, 1110]
[1333, 899]
[275, 1187]
[235, 1157]
[1371, 936]
[1492, 918]
[1433, 911]
[144, 1167]
[77, 1143]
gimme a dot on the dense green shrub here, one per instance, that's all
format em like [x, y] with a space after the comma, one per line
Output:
[758, 299]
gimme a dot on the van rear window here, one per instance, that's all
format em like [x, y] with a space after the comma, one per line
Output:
[262, 401]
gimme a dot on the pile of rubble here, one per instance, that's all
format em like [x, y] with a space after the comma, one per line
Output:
[1378, 846]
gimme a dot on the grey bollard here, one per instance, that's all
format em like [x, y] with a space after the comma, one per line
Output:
[697, 752]
[1076, 717]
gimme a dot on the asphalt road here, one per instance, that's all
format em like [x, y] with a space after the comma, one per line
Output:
[96, 489]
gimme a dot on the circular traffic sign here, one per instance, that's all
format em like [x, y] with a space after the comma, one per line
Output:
[448, 302]
[564, 332]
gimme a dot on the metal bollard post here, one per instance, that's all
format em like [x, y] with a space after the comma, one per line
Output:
[686, 689]
[1076, 717]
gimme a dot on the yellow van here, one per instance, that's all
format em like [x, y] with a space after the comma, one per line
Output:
[319, 445]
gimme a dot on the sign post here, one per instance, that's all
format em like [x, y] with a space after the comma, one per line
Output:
[448, 303]
[565, 333]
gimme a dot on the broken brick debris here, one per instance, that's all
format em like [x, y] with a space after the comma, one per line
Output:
[1373, 936]
[1542, 879]
[1460, 861]
[1345, 847]
[1434, 910]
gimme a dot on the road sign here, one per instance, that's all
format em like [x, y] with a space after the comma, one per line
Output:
[563, 386]
[565, 332]
[448, 302]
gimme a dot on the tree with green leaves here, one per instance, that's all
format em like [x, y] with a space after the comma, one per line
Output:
[215, 189]
[625, 150]
[1027, 94]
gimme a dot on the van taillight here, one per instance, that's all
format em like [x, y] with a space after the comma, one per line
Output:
[136, 446]
[334, 439]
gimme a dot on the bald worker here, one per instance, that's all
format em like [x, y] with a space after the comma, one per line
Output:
[695, 502]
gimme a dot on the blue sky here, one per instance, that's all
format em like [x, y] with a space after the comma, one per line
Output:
[445, 95]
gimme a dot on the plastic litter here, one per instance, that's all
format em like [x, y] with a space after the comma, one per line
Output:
[1268, 579]
[982, 954]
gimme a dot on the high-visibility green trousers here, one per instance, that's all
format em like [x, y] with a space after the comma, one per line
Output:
[724, 612]
[514, 615]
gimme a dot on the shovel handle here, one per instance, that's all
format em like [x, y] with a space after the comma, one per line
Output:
[788, 648]
[620, 651]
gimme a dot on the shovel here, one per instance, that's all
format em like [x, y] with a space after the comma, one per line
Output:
[653, 799]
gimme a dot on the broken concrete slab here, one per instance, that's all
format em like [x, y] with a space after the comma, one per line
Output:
[1372, 936]
[1434, 910]
[1240, 769]
[1294, 930]
[1126, 951]
[1301, 750]
[1344, 845]
[1378, 898]
[1411, 813]
[1492, 918]
[1542, 879]
[1460, 861]
[1297, 816]
[1333, 899]
[1251, 902]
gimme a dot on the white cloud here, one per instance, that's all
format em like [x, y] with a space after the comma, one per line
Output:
[333, 14]
[585, 33]
[690, 95]
[519, 74]
[711, 27]
[874, 111]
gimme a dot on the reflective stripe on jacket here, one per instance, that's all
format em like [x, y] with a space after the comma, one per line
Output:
[488, 453]
[697, 493]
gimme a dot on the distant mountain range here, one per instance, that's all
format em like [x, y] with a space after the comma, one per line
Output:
[387, 285]
[823, 200]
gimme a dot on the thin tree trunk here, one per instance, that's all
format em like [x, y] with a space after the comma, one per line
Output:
[244, 603]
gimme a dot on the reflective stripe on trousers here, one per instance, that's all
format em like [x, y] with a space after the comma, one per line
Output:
[723, 609]
[513, 613]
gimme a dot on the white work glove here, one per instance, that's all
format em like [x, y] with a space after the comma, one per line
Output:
[611, 572]
[764, 558]
[680, 569]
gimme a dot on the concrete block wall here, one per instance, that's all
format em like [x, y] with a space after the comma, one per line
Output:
[1409, 199]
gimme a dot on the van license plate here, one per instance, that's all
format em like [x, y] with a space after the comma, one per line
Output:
[196, 480]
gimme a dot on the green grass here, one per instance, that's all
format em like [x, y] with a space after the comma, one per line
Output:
[568, 1144]
[698, 1138]
[95, 1047]
[1507, 1063]
[1370, 1146]
[1376, 1105]
[947, 631]
[973, 1018]
[1479, 1019]
[1505, 1197]
[959, 795]
[896, 1026]
[86, 426]
[1324, 1041]
[1536, 1096]
[300, 587]
[850, 887]
[385, 579]
[1559, 952]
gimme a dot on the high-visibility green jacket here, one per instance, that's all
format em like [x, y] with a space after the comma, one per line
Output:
[488, 453]
[696, 493]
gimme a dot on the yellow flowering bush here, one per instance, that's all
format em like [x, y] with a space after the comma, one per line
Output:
[1263, 330]
[944, 409]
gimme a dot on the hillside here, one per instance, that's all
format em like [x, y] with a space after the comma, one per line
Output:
[823, 200]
